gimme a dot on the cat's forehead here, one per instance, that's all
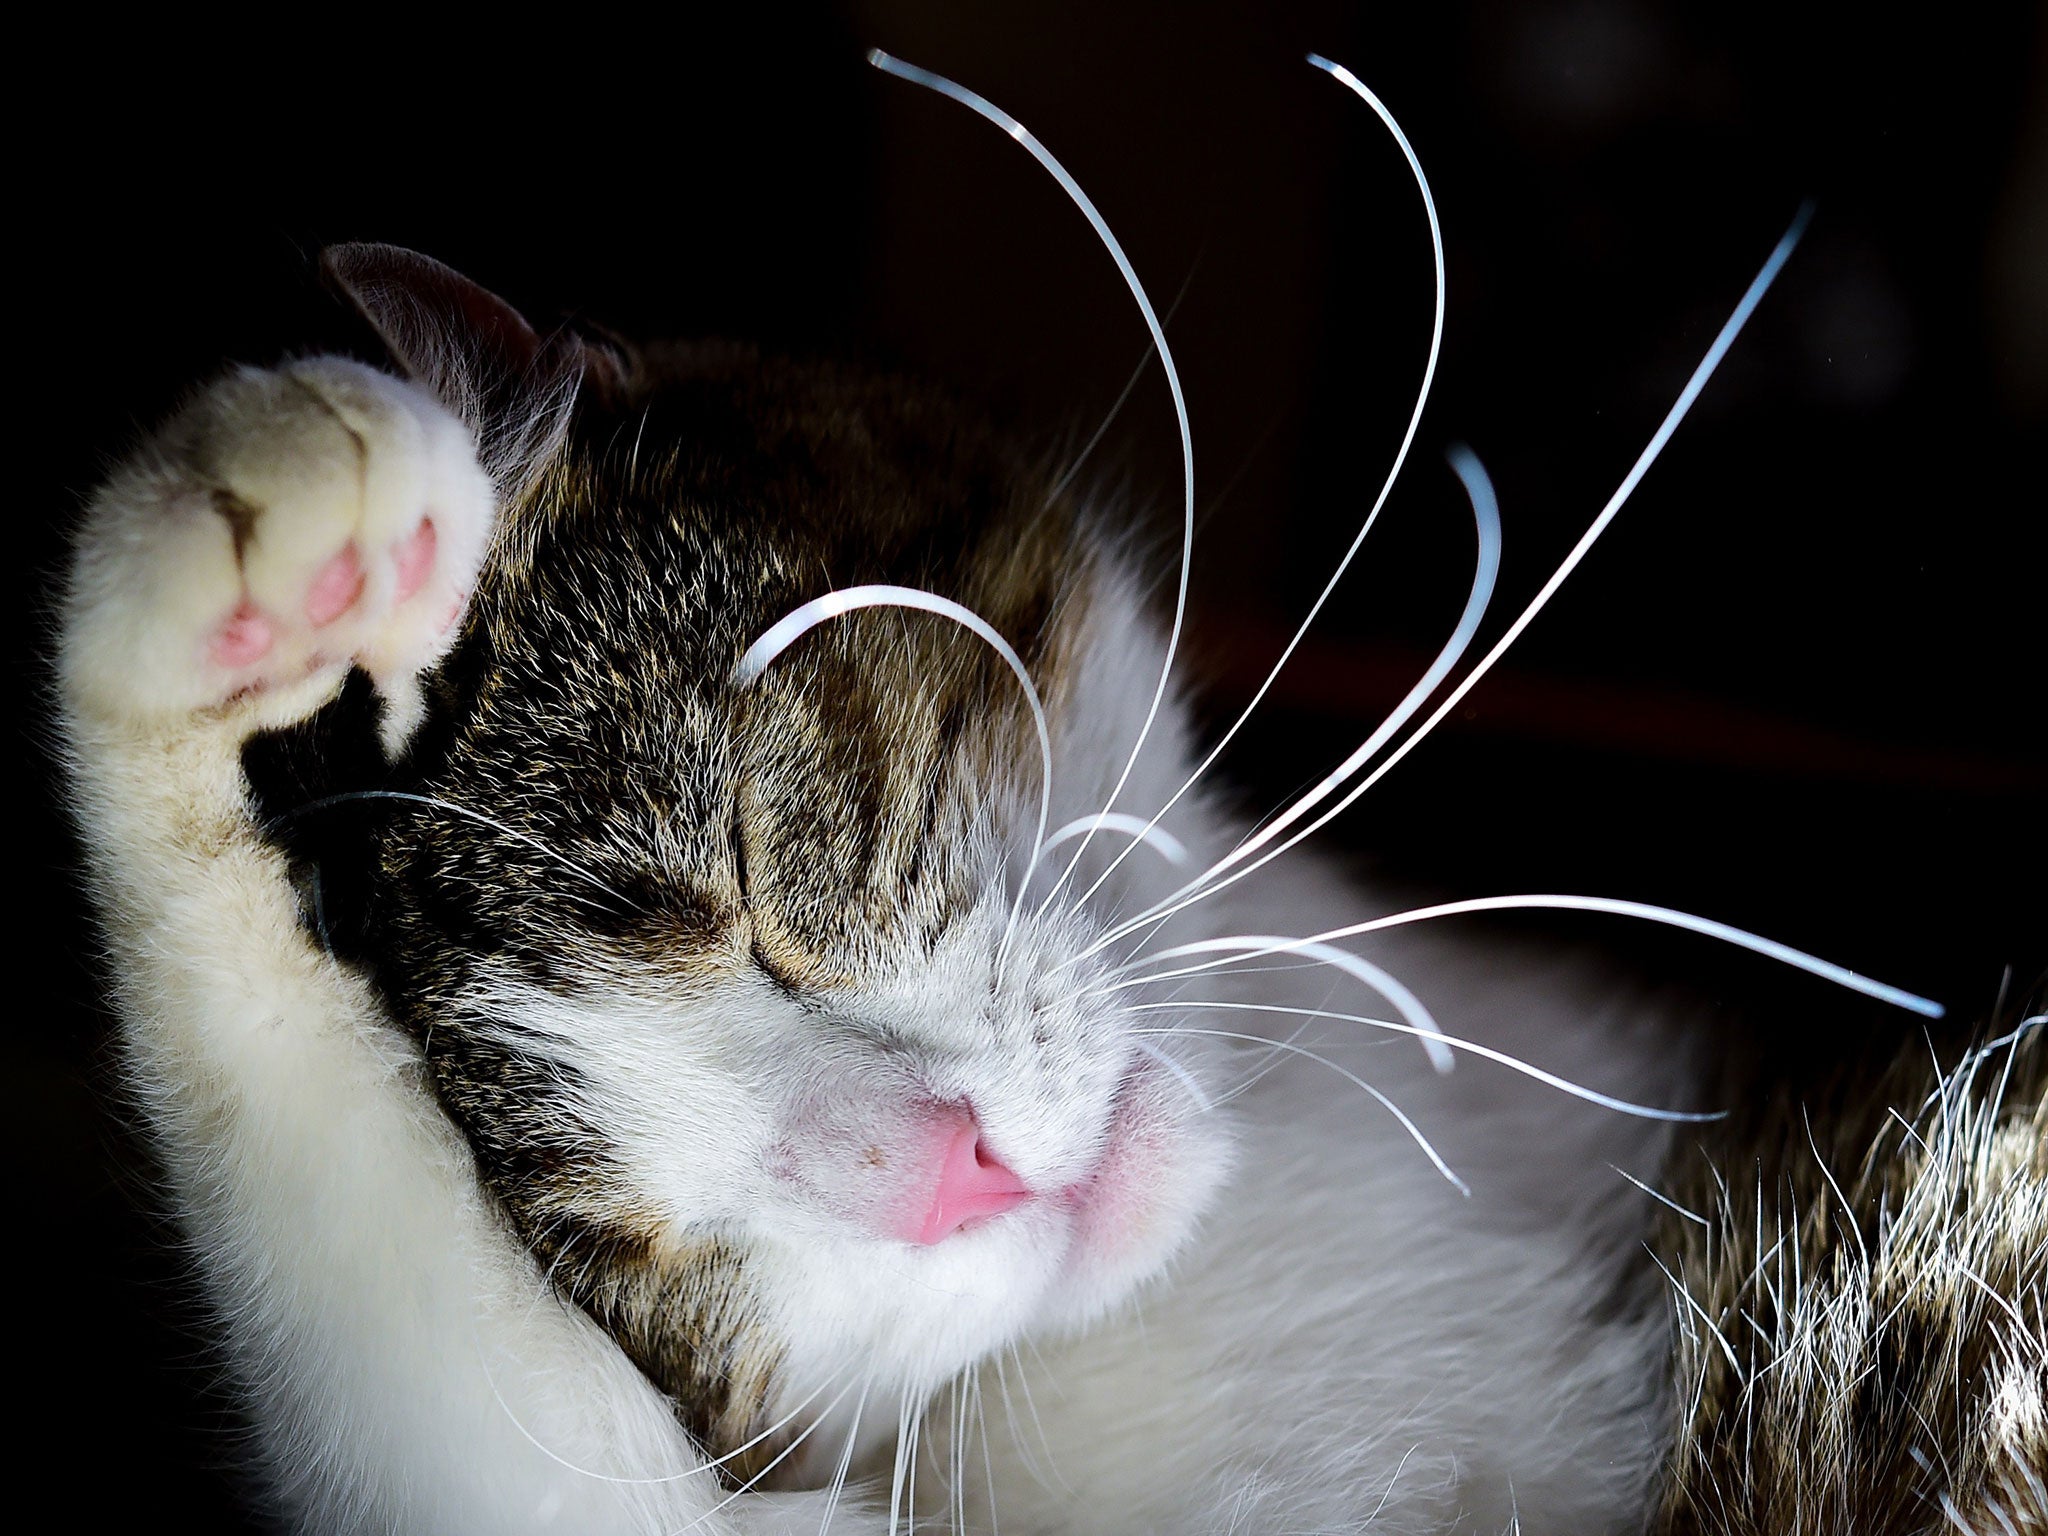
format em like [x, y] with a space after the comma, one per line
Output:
[861, 791]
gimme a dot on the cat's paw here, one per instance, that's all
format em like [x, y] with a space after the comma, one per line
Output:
[288, 523]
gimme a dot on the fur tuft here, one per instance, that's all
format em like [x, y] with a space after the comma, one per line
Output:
[1862, 1325]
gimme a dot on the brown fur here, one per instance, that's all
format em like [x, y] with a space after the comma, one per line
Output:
[1862, 1325]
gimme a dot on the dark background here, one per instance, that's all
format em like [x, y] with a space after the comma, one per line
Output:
[1798, 686]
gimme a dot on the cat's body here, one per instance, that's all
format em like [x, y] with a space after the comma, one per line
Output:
[776, 951]
[572, 1060]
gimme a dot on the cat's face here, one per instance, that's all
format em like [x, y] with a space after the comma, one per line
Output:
[719, 978]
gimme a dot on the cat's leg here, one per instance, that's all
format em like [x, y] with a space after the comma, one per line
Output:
[407, 1368]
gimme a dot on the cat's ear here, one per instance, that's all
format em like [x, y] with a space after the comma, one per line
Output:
[512, 384]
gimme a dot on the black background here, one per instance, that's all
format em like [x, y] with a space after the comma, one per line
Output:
[1798, 687]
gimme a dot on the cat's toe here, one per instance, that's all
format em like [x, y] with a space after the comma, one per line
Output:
[290, 523]
[370, 516]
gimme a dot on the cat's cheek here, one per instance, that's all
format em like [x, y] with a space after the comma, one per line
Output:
[1161, 1168]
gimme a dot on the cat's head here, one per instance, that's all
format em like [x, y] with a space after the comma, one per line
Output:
[727, 980]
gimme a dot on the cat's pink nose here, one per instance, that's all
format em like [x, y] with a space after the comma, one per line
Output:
[972, 1184]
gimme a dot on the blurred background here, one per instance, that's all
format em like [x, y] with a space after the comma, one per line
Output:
[1798, 687]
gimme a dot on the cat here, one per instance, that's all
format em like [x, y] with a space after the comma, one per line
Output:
[606, 1092]
[704, 984]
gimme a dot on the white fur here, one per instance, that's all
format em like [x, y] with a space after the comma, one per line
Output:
[1330, 1338]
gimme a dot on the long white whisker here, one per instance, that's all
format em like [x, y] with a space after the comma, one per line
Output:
[1486, 518]
[478, 816]
[638, 1482]
[845, 1459]
[1037, 1423]
[896, 1474]
[1436, 336]
[784, 632]
[1271, 1063]
[1662, 1198]
[988, 1466]
[1016, 1426]
[1122, 398]
[782, 1456]
[1095, 987]
[1016, 130]
[1744, 307]
[910, 1490]
[1741, 938]
[1487, 1052]
[1186, 1078]
[1161, 841]
[1267, 1064]
[1414, 1131]
[1405, 1002]
[961, 1405]
[953, 1454]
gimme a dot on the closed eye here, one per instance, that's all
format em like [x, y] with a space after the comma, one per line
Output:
[784, 982]
[764, 962]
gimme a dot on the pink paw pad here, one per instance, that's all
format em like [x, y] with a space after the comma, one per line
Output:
[455, 607]
[336, 588]
[244, 639]
[413, 558]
